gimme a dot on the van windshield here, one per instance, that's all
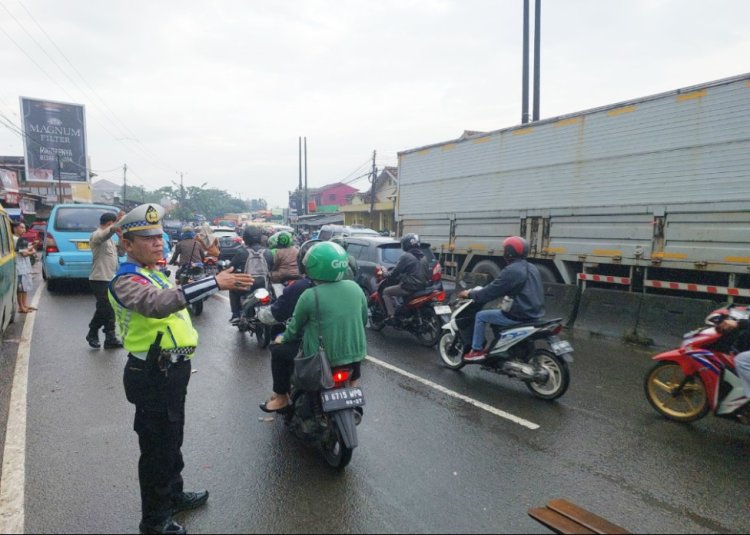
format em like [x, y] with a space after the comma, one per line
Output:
[79, 219]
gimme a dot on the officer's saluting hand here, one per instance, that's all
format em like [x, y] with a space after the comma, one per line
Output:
[161, 341]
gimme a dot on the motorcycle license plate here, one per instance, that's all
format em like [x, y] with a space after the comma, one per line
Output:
[441, 310]
[342, 398]
[561, 347]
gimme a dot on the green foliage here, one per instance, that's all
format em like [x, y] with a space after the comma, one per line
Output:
[191, 201]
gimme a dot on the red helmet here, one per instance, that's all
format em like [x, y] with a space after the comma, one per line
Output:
[515, 247]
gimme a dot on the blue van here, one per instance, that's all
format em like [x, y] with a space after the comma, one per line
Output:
[8, 278]
[66, 253]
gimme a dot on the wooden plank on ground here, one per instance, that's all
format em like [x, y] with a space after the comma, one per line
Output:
[557, 522]
[586, 518]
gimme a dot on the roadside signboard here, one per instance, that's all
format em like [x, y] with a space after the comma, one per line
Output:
[54, 131]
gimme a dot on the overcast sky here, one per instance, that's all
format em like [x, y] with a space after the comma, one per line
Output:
[221, 90]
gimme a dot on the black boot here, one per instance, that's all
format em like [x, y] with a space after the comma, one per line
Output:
[111, 341]
[168, 526]
[93, 338]
[185, 501]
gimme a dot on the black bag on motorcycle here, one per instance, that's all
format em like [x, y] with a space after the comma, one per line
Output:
[313, 372]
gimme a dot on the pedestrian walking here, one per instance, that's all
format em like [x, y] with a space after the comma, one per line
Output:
[103, 271]
[24, 251]
[161, 341]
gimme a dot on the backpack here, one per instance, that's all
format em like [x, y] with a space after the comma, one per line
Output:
[256, 264]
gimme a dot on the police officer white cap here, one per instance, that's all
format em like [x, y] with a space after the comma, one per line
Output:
[143, 220]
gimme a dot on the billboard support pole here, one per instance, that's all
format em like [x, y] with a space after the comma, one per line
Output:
[59, 179]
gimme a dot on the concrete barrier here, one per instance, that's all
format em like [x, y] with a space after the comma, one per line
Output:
[608, 312]
[561, 301]
[665, 319]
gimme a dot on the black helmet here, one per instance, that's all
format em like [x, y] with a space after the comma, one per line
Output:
[303, 249]
[252, 235]
[515, 247]
[410, 241]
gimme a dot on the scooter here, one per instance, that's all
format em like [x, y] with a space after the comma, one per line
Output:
[190, 273]
[249, 320]
[514, 351]
[422, 315]
[327, 419]
[700, 376]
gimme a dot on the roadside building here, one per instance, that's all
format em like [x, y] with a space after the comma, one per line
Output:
[376, 208]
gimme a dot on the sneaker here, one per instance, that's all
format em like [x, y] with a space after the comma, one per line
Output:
[234, 320]
[475, 355]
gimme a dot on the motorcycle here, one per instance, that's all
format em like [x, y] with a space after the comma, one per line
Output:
[191, 273]
[249, 320]
[514, 351]
[327, 419]
[212, 266]
[700, 376]
[422, 314]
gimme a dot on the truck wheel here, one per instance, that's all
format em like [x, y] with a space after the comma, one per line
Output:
[487, 267]
[548, 276]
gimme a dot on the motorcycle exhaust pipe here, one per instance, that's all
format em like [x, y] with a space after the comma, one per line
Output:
[525, 372]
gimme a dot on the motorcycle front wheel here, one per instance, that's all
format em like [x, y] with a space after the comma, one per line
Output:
[453, 357]
[197, 308]
[263, 335]
[558, 375]
[336, 454]
[377, 317]
[661, 384]
[429, 333]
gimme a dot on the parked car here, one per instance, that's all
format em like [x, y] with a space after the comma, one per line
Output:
[8, 278]
[229, 243]
[340, 231]
[378, 251]
[173, 228]
[66, 253]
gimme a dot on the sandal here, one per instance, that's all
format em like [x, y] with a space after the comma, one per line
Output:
[281, 410]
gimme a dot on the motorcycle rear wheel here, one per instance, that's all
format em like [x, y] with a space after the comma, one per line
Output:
[452, 359]
[689, 405]
[432, 329]
[336, 454]
[559, 376]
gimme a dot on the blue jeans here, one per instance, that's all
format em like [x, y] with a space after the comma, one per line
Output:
[742, 363]
[493, 317]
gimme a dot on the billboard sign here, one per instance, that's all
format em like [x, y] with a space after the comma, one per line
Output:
[54, 132]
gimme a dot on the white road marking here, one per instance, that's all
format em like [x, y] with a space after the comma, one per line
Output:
[13, 482]
[489, 408]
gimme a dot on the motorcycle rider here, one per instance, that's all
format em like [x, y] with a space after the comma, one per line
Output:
[742, 360]
[340, 323]
[253, 260]
[521, 281]
[285, 260]
[282, 355]
[411, 274]
[187, 250]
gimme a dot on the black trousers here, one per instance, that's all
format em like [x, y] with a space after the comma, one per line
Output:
[235, 297]
[104, 316]
[159, 422]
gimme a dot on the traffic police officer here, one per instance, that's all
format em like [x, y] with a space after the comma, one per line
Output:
[160, 338]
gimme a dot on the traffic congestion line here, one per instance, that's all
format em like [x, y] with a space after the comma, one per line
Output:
[489, 408]
[13, 480]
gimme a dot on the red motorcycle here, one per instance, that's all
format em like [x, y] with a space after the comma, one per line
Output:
[700, 376]
[423, 314]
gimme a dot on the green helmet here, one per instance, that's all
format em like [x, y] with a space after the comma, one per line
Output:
[326, 261]
[273, 241]
[284, 240]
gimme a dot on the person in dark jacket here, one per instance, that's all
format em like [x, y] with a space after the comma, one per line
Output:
[252, 238]
[520, 281]
[411, 274]
[188, 249]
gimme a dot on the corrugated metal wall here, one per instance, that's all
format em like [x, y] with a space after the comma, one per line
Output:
[680, 148]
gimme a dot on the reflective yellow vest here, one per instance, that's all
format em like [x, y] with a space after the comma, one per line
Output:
[138, 332]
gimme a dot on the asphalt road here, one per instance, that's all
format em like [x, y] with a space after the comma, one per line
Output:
[427, 462]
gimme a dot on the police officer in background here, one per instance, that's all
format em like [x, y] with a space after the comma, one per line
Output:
[160, 338]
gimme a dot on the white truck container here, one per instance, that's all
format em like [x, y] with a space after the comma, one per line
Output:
[648, 193]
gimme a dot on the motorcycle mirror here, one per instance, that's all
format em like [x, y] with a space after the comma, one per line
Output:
[261, 294]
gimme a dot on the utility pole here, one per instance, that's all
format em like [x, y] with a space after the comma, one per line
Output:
[525, 68]
[124, 183]
[306, 175]
[372, 191]
[537, 55]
